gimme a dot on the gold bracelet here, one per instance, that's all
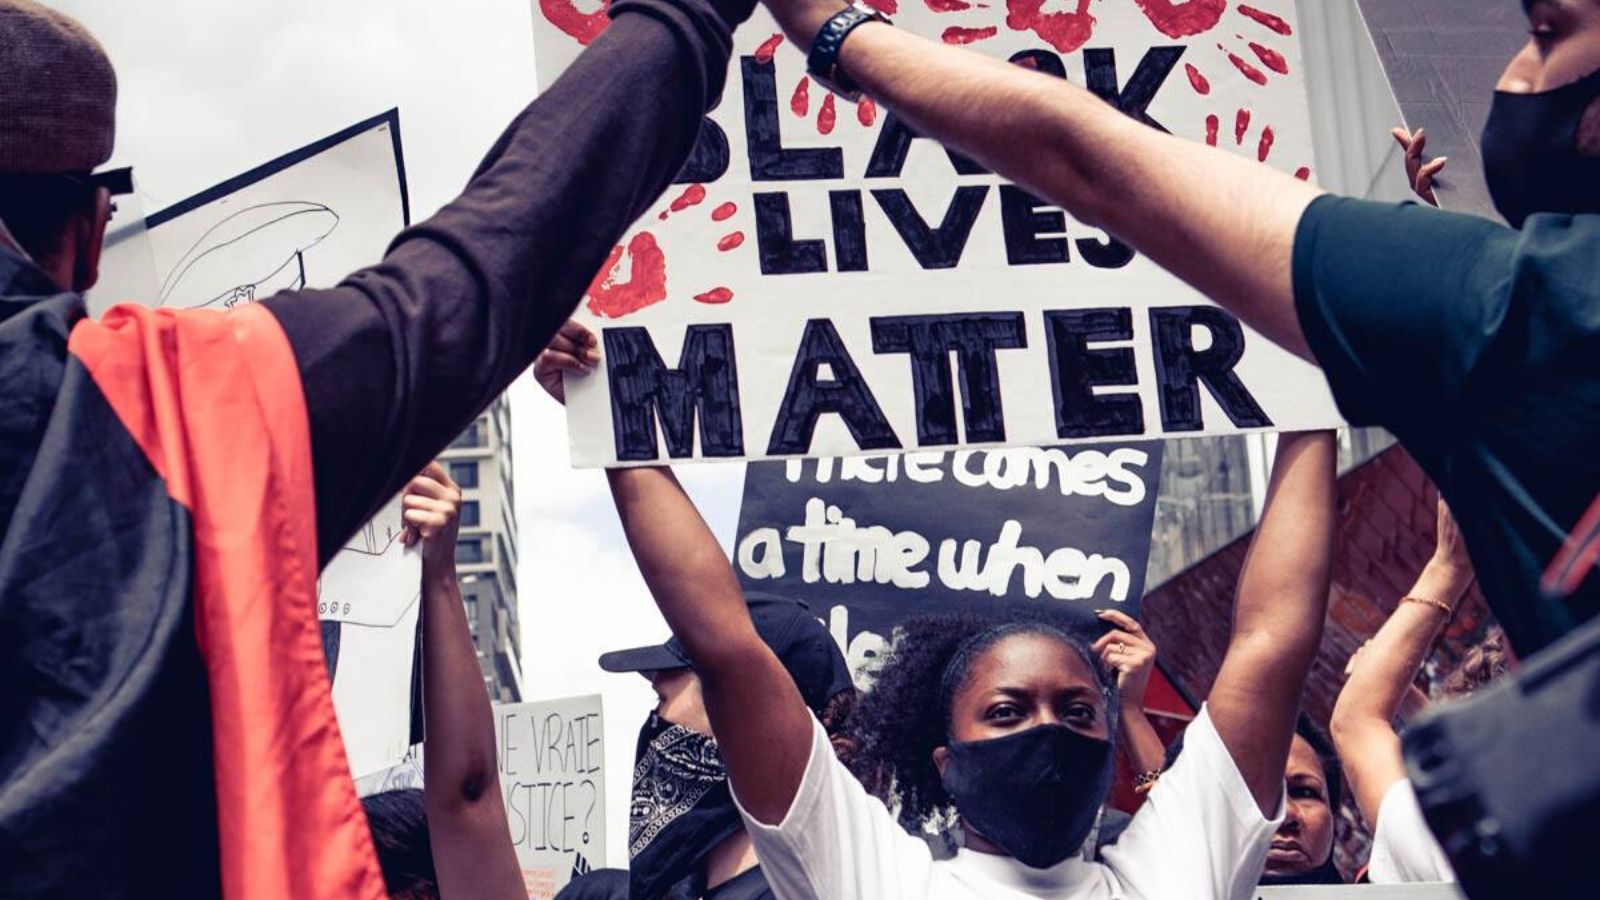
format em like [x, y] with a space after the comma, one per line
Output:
[1440, 605]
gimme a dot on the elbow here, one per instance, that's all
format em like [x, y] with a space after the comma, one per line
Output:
[475, 786]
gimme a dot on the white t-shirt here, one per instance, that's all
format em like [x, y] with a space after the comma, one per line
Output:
[1404, 851]
[1199, 835]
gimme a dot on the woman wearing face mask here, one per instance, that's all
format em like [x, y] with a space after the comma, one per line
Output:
[1018, 742]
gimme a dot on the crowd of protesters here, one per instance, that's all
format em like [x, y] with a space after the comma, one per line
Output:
[173, 480]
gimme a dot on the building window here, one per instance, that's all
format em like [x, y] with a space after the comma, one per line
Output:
[465, 474]
[474, 436]
[469, 514]
[469, 550]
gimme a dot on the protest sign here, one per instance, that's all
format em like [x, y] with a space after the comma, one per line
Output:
[824, 283]
[304, 220]
[869, 542]
[552, 771]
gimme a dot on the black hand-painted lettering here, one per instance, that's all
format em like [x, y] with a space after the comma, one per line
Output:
[704, 387]
[769, 159]
[809, 396]
[1180, 368]
[894, 142]
[1025, 218]
[849, 230]
[938, 248]
[930, 340]
[777, 250]
[708, 161]
[1100, 74]
[1076, 369]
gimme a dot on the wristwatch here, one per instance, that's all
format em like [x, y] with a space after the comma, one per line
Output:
[823, 61]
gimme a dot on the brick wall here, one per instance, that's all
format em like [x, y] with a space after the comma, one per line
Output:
[1386, 534]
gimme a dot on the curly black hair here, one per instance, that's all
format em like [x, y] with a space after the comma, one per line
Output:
[899, 721]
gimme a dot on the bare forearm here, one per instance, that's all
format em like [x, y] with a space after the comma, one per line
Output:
[1140, 741]
[761, 723]
[1222, 223]
[1278, 614]
[460, 760]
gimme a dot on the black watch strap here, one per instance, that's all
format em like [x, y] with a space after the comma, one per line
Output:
[823, 60]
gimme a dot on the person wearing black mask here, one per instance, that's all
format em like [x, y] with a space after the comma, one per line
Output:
[685, 838]
[1472, 342]
[1003, 727]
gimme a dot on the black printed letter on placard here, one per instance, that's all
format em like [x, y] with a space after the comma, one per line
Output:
[708, 161]
[934, 248]
[1180, 368]
[705, 385]
[769, 160]
[776, 249]
[1024, 218]
[1100, 72]
[894, 142]
[974, 338]
[846, 393]
[1076, 369]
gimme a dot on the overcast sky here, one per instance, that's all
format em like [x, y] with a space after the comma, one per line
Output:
[210, 88]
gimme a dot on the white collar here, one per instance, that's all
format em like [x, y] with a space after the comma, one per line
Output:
[1005, 870]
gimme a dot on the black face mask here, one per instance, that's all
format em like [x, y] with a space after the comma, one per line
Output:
[1035, 793]
[1530, 152]
[681, 809]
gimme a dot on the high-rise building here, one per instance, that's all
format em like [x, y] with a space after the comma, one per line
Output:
[486, 551]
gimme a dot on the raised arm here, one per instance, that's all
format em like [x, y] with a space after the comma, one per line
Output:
[1222, 223]
[404, 354]
[472, 852]
[1128, 650]
[1381, 672]
[761, 723]
[1277, 615]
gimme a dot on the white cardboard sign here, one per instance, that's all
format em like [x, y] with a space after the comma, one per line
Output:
[824, 283]
[552, 770]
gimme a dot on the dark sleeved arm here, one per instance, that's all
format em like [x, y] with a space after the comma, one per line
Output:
[1400, 305]
[398, 358]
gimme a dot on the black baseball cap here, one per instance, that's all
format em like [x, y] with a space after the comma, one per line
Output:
[805, 648]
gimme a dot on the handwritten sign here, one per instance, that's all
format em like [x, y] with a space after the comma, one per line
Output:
[552, 771]
[870, 542]
[825, 283]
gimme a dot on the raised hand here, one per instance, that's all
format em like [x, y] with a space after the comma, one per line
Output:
[1128, 650]
[431, 509]
[574, 349]
[1420, 173]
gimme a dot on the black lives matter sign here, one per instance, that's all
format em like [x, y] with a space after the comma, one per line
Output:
[824, 282]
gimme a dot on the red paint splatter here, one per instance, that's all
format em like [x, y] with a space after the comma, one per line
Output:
[955, 34]
[1265, 149]
[866, 112]
[1198, 81]
[730, 241]
[1271, 58]
[768, 47]
[887, 7]
[1268, 19]
[1213, 125]
[693, 195]
[715, 296]
[946, 6]
[1241, 124]
[723, 212]
[827, 116]
[581, 26]
[1303, 173]
[663, 216]
[1182, 19]
[646, 284]
[1249, 71]
[800, 103]
[1065, 31]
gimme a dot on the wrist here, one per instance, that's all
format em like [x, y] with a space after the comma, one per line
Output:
[1444, 581]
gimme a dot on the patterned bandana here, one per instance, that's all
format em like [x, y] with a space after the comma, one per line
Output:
[681, 810]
